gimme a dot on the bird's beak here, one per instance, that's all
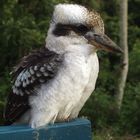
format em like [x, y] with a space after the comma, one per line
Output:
[103, 42]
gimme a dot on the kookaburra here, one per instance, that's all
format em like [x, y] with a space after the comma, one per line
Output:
[53, 83]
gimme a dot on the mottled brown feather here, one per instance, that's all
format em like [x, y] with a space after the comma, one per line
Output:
[18, 104]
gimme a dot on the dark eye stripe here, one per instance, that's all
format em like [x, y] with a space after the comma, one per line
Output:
[82, 29]
[63, 29]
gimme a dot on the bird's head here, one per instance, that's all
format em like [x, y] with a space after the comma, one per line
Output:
[73, 24]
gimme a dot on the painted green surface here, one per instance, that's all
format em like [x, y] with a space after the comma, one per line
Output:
[79, 129]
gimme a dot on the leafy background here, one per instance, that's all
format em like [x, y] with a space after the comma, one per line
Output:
[23, 27]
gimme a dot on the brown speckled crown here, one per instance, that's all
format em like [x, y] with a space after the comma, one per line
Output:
[95, 21]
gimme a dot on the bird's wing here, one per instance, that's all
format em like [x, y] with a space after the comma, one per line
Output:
[35, 69]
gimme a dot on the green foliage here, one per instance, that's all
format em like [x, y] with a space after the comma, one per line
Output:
[134, 69]
[100, 109]
[24, 25]
[130, 114]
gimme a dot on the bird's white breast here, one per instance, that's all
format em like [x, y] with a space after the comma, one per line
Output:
[93, 65]
[66, 94]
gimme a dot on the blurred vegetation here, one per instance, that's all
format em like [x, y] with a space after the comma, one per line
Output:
[23, 27]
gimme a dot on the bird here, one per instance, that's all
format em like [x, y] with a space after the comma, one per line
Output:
[53, 83]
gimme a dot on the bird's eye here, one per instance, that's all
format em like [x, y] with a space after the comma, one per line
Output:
[82, 28]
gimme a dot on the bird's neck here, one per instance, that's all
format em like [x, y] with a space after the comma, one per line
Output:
[62, 47]
[79, 49]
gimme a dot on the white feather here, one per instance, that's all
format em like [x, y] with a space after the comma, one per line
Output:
[65, 95]
[68, 14]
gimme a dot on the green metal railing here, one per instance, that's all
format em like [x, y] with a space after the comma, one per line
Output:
[79, 129]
